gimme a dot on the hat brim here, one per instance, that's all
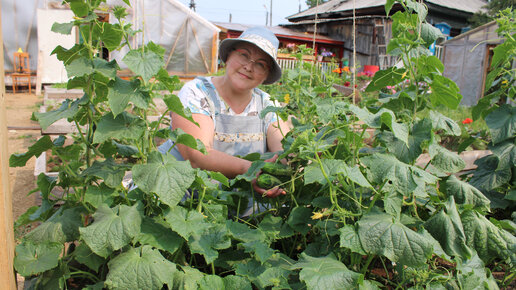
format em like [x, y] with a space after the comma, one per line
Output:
[226, 45]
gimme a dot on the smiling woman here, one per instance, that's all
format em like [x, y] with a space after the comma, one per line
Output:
[227, 109]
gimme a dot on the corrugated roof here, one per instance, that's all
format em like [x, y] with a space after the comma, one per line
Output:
[277, 30]
[470, 6]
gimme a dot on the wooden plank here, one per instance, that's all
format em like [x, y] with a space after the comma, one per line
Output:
[6, 211]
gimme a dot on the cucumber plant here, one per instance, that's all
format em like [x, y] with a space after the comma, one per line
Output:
[356, 214]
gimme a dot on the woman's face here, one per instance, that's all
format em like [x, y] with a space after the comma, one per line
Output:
[247, 66]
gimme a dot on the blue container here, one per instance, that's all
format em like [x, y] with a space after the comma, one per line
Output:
[444, 27]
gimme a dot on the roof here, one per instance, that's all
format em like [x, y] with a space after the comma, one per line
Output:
[279, 31]
[488, 32]
[332, 6]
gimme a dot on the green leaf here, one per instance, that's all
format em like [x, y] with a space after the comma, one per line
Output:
[34, 258]
[169, 179]
[472, 274]
[172, 83]
[62, 226]
[349, 239]
[332, 168]
[156, 233]
[121, 92]
[79, 8]
[389, 77]
[209, 282]
[42, 145]
[140, 268]
[250, 269]
[107, 69]
[446, 227]
[502, 123]
[62, 28]
[419, 8]
[429, 33]
[384, 116]
[489, 241]
[327, 108]
[464, 193]
[102, 194]
[401, 177]
[233, 282]
[67, 110]
[185, 222]
[261, 250]
[188, 279]
[242, 232]
[381, 235]
[299, 219]
[388, 6]
[273, 276]
[108, 170]
[69, 55]
[489, 174]
[122, 127]
[79, 67]
[112, 229]
[446, 160]
[326, 273]
[145, 64]
[420, 134]
[447, 125]
[208, 242]
[444, 91]
[501, 53]
[506, 153]
[174, 104]
[111, 35]
[85, 256]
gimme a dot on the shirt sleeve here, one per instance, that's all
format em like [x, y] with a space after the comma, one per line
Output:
[194, 97]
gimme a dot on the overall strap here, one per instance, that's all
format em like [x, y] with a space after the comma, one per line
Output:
[212, 94]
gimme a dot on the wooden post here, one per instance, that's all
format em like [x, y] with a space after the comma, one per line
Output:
[7, 277]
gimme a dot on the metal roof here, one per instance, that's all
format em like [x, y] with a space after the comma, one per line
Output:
[469, 6]
[278, 31]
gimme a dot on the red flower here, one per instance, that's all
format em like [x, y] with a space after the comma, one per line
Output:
[467, 121]
[346, 84]
[356, 86]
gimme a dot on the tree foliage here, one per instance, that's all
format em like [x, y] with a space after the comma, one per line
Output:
[492, 8]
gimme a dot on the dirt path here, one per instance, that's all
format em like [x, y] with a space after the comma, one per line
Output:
[21, 135]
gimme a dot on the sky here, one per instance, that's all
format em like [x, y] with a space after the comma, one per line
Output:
[246, 11]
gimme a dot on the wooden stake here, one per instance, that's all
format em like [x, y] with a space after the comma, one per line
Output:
[7, 277]
[200, 49]
[175, 43]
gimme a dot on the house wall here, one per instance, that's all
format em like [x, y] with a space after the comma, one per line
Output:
[366, 37]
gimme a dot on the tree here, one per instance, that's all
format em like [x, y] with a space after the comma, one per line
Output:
[492, 7]
[313, 3]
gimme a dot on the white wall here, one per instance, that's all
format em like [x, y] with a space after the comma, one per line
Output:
[50, 69]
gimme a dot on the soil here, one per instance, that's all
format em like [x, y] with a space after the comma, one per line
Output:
[22, 133]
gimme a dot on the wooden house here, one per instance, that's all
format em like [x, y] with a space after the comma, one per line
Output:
[373, 28]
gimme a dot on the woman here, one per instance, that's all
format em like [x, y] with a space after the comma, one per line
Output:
[227, 108]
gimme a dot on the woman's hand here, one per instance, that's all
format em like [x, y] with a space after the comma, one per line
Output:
[272, 192]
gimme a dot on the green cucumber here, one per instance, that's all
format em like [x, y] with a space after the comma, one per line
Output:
[267, 181]
[277, 169]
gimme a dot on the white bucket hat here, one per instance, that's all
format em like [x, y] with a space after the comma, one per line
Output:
[262, 38]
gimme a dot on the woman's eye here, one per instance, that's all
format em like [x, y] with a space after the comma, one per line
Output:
[262, 65]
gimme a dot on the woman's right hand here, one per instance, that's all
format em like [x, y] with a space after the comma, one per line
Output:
[272, 192]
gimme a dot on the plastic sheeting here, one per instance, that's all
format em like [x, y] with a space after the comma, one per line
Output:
[19, 30]
[465, 60]
[190, 41]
